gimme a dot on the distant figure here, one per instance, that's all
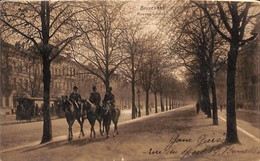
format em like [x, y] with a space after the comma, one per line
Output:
[75, 97]
[221, 107]
[198, 107]
[18, 111]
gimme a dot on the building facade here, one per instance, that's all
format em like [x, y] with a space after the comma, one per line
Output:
[248, 75]
[21, 76]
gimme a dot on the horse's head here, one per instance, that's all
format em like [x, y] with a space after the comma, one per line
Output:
[86, 104]
[66, 104]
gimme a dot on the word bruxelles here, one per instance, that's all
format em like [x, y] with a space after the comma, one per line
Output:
[217, 150]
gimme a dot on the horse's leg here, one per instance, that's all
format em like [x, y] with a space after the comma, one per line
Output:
[91, 131]
[81, 127]
[108, 127]
[70, 129]
[94, 128]
[115, 128]
[100, 127]
[72, 122]
[82, 123]
[103, 127]
[107, 131]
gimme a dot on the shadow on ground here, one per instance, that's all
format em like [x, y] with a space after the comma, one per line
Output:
[62, 143]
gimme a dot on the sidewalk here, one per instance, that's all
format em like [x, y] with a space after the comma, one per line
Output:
[11, 119]
[178, 134]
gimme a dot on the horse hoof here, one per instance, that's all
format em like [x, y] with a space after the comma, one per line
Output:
[107, 136]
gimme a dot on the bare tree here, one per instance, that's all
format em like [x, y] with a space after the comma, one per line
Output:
[99, 51]
[236, 18]
[47, 26]
[132, 42]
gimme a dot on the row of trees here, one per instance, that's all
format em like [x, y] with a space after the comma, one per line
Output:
[107, 42]
[207, 36]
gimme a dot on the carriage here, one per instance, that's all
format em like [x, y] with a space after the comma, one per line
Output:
[28, 108]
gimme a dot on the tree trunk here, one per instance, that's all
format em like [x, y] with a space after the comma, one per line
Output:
[166, 99]
[205, 89]
[47, 126]
[155, 102]
[106, 82]
[199, 101]
[147, 102]
[161, 99]
[214, 97]
[232, 136]
[133, 85]
[133, 99]
[170, 106]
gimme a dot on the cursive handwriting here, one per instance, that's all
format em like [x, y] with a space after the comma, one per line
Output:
[176, 139]
[197, 149]
[203, 139]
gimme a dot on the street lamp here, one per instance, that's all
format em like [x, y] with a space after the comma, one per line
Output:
[138, 94]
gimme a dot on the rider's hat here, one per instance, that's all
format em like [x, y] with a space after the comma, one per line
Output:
[94, 88]
[75, 88]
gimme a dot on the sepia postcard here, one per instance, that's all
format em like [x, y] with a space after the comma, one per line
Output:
[135, 80]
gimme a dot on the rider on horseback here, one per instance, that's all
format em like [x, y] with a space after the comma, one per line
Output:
[75, 98]
[109, 98]
[95, 98]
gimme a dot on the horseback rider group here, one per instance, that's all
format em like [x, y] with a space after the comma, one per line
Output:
[94, 98]
[77, 108]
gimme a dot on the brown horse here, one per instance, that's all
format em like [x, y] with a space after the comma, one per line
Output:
[111, 114]
[73, 113]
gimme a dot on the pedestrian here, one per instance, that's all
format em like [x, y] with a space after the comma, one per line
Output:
[197, 107]
[221, 107]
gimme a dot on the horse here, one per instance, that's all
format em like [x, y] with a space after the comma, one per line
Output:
[110, 114]
[91, 110]
[72, 113]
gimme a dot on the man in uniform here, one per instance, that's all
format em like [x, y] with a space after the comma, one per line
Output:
[75, 98]
[95, 98]
[109, 97]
